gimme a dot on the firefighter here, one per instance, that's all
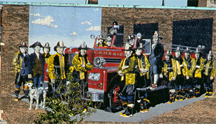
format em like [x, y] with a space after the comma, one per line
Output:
[109, 41]
[142, 75]
[101, 42]
[189, 65]
[209, 73]
[169, 74]
[126, 70]
[198, 73]
[46, 55]
[21, 64]
[157, 52]
[37, 64]
[57, 68]
[81, 65]
[131, 40]
[179, 75]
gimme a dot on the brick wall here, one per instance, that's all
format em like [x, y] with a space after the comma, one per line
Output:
[15, 29]
[202, 3]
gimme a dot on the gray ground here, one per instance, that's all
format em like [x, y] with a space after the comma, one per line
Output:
[103, 116]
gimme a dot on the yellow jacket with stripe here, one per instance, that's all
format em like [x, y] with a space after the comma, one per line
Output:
[127, 65]
[56, 65]
[167, 66]
[78, 61]
[209, 68]
[198, 71]
[17, 62]
[143, 61]
[189, 67]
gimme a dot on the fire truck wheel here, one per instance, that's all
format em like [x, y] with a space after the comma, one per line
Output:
[114, 99]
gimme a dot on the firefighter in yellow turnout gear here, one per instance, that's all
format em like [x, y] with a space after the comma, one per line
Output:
[142, 76]
[198, 73]
[126, 70]
[169, 74]
[179, 75]
[57, 68]
[101, 42]
[189, 65]
[81, 65]
[21, 64]
[209, 73]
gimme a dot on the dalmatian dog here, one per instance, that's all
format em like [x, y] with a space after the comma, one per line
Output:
[37, 93]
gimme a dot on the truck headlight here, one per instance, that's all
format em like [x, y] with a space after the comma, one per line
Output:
[94, 76]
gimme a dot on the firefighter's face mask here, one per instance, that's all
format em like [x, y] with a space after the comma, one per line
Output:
[23, 50]
[37, 49]
[197, 55]
[177, 54]
[187, 55]
[128, 53]
[46, 50]
[138, 52]
[82, 52]
[167, 57]
[60, 50]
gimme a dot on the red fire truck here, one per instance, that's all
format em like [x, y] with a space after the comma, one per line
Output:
[103, 81]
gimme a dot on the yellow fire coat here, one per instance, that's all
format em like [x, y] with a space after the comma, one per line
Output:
[140, 65]
[17, 65]
[210, 65]
[165, 69]
[198, 71]
[128, 70]
[78, 61]
[186, 70]
[51, 66]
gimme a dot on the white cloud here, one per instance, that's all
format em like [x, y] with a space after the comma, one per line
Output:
[37, 14]
[74, 33]
[94, 28]
[47, 21]
[96, 9]
[86, 22]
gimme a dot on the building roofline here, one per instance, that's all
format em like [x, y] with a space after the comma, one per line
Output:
[96, 5]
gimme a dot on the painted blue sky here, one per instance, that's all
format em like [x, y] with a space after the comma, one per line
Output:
[73, 25]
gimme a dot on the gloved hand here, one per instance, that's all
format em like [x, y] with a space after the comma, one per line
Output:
[161, 76]
[120, 73]
[53, 81]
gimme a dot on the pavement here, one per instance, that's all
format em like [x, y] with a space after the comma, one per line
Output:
[103, 116]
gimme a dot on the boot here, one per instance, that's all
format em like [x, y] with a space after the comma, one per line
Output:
[129, 112]
[124, 105]
[17, 94]
[210, 93]
[177, 96]
[146, 103]
[207, 92]
[183, 95]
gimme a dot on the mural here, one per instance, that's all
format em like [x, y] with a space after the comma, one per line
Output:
[72, 25]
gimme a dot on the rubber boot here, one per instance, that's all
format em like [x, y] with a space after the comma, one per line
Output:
[129, 112]
[17, 94]
[207, 92]
[124, 106]
[177, 95]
